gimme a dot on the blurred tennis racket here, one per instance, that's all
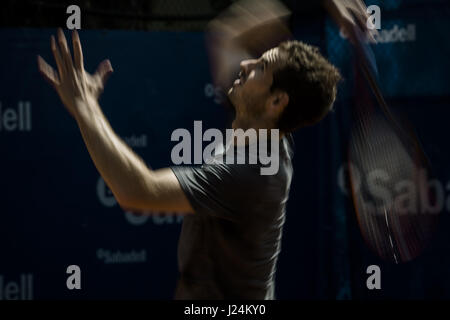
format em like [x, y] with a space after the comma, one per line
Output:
[388, 171]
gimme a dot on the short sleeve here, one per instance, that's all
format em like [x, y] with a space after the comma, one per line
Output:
[214, 189]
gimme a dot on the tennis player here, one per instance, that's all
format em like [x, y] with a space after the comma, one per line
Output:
[231, 234]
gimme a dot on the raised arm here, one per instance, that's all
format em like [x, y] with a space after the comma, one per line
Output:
[133, 184]
[244, 30]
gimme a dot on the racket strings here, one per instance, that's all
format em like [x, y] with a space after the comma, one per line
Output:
[390, 226]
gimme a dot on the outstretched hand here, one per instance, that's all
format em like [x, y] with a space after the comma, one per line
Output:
[73, 84]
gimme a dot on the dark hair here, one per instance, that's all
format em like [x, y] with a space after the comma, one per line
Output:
[310, 82]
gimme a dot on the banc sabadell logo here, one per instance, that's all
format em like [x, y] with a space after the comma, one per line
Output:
[16, 118]
[387, 35]
[395, 34]
[17, 288]
[107, 199]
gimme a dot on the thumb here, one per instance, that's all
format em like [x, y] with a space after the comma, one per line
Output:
[104, 70]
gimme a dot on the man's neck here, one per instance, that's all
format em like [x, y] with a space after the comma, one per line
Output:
[246, 124]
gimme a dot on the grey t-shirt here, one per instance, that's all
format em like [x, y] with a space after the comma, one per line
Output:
[228, 248]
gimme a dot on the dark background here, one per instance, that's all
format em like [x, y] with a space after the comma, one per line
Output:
[54, 212]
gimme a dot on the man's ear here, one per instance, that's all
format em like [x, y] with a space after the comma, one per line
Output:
[278, 101]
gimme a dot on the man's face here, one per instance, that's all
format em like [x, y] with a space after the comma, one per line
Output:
[251, 91]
